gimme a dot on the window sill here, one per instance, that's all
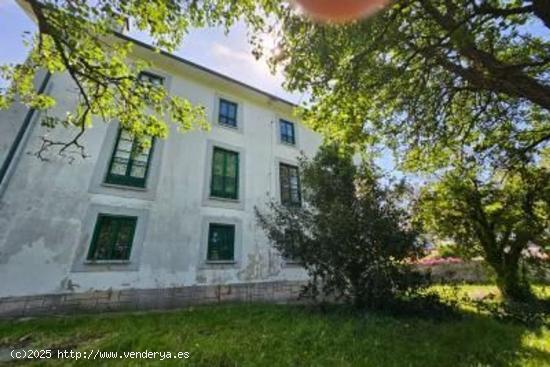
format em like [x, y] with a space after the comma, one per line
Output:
[218, 265]
[107, 262]
[290, 145]
[229, 126]
[227, 200]
[124, 187]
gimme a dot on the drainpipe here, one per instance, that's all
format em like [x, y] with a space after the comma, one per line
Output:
[19, 137]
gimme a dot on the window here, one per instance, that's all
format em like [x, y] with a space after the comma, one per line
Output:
[225, 174]
[129, 163]
[228, 113]
[290, 185]
[291, 236]
[113, 237]
[152, 79]
[221, 242]
[287, 132]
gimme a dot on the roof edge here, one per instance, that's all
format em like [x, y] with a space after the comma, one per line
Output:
[205, 69]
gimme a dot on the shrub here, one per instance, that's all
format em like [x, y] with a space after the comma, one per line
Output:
[351, 234]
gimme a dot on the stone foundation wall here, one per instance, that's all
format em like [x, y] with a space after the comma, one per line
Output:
[148, 299]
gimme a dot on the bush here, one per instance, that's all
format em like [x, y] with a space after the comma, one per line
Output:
[448, 251]
[351, 234]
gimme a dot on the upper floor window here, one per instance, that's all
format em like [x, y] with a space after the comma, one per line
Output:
[225, 174]
[129, 162]
[290, 185]
[113, 238]
[150, 78]
[221, 242]
[287, 132]
[227, 113]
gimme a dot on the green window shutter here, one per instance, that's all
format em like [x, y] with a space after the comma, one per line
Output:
[225, 174]
[129, 163]
[221, 242]
[113, 237]
[289, 180]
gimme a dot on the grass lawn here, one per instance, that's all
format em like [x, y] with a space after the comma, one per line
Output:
[280, 335]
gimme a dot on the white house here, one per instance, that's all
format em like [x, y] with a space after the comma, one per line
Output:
[180, 215]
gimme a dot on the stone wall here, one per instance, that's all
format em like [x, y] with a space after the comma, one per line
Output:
[467, 272]
[148, 299]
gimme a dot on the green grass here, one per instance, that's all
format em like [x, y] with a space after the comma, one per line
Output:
[279, 335]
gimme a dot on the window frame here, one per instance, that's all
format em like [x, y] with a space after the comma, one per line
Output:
[284, 137]
[127, 179]
[221, 194]
[152, 76]
[235, 125]
[93, 246]
[225, 226]
[290, 167]
[291, 262]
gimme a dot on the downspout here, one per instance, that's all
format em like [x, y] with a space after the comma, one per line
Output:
[19, 137]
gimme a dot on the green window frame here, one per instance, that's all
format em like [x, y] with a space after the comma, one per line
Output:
[288, 135]
[289, 179]
[221, 242]
[130, 163]
[113, 238]
[227, 113]
[225, 174]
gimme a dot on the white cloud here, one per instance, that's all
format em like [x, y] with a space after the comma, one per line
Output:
[242, 65]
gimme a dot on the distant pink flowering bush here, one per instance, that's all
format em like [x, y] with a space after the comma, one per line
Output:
[439, 260]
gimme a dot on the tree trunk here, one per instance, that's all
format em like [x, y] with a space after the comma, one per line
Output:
[509, 280]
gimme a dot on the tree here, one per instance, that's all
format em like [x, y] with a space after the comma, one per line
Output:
[77, 37]
[433, 79]
[496, 217]
[426, 77]
[351, 234]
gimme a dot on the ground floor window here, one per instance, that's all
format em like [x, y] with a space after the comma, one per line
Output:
[113, 237]
[221, 242]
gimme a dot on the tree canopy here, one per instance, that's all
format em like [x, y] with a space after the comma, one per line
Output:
[495, 216]
[436, 80]
[78, 37]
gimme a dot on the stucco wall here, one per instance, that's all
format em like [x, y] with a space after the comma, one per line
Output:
[46, 207]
